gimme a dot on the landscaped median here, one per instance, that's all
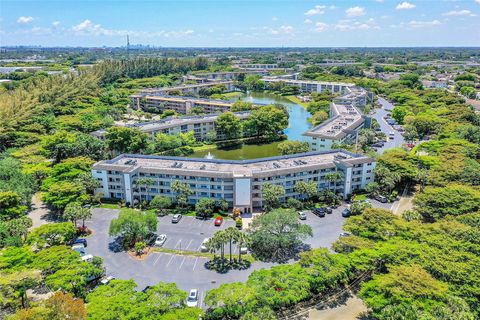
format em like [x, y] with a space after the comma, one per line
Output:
[246, 257]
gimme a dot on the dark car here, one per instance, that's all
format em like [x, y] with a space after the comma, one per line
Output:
[346, 213]
[320, 212]
[329, 210]
[80, 241]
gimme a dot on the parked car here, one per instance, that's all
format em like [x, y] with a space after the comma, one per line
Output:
[160, 240]
[80, 241]
[302, 215]
[378, 144]
[176, 218]
[319, 212]
[345, 234]
[381, 198]
[243, 250]
[192, 300]
[79, 248]
[391, 135]
[218, 221]
[87, 258]
[203, 247]
[346, 213]
[329, 210]
[107, 280]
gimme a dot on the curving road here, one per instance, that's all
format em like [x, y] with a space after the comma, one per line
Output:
[385, 127]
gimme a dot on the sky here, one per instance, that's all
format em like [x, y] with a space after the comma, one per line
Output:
[246, 23]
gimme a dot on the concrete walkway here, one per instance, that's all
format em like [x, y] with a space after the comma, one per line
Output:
[351, 310]
[40, 213]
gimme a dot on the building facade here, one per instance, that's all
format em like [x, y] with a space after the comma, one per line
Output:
[179, 104]
[239, 182]
[200, 125]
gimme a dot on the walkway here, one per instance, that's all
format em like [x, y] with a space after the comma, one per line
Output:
[39, 213]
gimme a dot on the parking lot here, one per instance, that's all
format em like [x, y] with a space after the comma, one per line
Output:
[189, 233]
[189, 271]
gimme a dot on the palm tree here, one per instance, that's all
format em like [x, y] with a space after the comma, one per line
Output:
[231, 235]
[145, 182]
[333, 177]
[241, 239]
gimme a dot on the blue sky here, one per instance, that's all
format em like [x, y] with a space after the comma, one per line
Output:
[256, 23]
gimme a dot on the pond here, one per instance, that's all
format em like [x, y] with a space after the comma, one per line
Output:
[297, 125]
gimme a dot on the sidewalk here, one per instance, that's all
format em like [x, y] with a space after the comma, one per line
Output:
[39, 213]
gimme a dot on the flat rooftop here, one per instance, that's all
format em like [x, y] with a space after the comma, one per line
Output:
[296, 162]
[299, 82]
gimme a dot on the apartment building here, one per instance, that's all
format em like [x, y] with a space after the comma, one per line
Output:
[183, 105]
[186, 88]
[308, 86]
[200, 125]
[221, 76]
[344, 123]
[239, 182]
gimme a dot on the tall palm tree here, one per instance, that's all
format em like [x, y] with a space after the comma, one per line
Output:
[333, 177]
[231, 235]
[241, 239]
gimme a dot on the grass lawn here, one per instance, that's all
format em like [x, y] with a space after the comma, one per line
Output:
[360, 197]
[232, 94]
[247, 257]
[108, 206]
[294, 99]
[204, 147]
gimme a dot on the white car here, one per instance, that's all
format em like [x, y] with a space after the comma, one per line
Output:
[243, 250]
[160, 240]
[302, 215]
[192, 300]
[203, 247]
[107, 280]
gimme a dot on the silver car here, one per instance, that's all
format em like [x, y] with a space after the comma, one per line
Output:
[176, 218]
[160, 240]
[302, 215]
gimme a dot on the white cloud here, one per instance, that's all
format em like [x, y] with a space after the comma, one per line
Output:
[355, 12]
[316, 10]
[320, 27]
[282, 30]
[87, 27]
[460, 13]
[56, 24]
[24, 20]
[405, 6]
[307, 21]
[477, 1]
[421, 24]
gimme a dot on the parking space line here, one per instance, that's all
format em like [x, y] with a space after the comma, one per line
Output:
[156, 260]
[181, 264]
[178, 242]
[191, 221]
[169, 261]
[195, 264]
[188, 245]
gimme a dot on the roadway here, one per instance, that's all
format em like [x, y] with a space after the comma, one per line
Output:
[378, 115]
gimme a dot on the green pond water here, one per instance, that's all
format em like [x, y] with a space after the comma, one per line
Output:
[297, 124]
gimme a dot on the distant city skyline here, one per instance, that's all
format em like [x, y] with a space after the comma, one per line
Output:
[376, 23]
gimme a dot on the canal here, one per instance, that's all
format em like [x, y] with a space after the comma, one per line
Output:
[297, 125]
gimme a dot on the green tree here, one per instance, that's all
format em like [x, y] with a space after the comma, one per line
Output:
[14, 286]
[277, 234]
[62, 193]
[140, 247]
[280, 286]
[318, 117]
[204, 207]
[11, 205]
[358, 207]
[436, 203]
[161, 204]
[125, 139]
[306, 189]
[53, 234]
[228, 125]
[266, 122]
[133, 226]
[271, 194]
[230, 300]
[292, 147]
[183, 191]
